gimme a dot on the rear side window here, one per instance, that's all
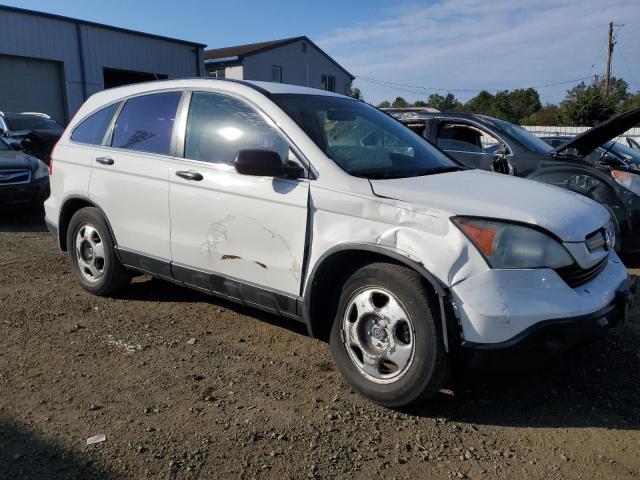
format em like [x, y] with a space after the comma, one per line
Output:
[91, 130]
[145, 123]
[219, 126]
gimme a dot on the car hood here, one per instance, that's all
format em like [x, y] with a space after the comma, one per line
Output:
[568, 215]
[17, 160]
[588, 141]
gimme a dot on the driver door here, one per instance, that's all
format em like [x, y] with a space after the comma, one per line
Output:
[237, 235]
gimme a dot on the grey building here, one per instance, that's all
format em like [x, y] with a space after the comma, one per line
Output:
[51, 64]
[295, 60]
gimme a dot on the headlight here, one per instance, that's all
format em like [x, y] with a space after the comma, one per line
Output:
[630, 181]
[42, 171]
[508, 245]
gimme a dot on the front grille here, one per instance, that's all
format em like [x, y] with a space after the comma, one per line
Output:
[574, 275]
[14, 177]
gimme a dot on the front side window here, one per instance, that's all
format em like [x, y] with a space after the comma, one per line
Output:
[4, 146]
[361, 139]
[219, 126]
[526, 138]
[459, 137]
[145, 123]
[92, 129]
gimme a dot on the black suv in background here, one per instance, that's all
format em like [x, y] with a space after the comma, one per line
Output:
[32, 132]
[479, 141]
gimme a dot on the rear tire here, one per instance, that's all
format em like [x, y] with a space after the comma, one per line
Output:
[92, 254]
[385, 340]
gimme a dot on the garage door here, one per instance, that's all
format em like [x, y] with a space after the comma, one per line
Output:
[31, 85]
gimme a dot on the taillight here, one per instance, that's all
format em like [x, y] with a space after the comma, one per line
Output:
[51, 158]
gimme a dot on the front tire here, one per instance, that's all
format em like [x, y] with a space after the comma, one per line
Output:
[385, 340]
[92, 254]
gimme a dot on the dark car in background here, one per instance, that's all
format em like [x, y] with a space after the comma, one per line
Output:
[608, 152]
[32, 132]
[479, 141]
[24, 179]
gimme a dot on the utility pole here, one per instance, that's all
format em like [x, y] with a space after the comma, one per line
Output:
[610, 44]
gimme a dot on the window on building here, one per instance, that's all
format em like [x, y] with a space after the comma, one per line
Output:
[329, 83]
[276, 74]
[92, 129]
[218, 127]
[217, 72]
[145, 123]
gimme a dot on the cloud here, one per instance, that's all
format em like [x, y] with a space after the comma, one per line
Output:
[475, 44]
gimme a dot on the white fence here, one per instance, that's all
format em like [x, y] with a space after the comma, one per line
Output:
[561, 131]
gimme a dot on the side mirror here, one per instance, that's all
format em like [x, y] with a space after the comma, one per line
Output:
[265, 163]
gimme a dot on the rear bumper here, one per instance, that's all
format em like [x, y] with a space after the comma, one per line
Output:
[25, 194]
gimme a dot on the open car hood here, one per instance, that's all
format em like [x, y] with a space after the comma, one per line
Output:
[588, 141]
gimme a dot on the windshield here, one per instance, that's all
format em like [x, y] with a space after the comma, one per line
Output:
[526, 138]
[20, 122]
[362, 140]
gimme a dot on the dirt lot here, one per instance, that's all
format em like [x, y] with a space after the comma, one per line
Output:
[253, 397]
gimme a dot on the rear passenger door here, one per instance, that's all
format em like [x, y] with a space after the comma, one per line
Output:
[130, 179]
[238, 235]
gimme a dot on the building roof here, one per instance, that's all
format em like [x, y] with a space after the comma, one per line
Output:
[95, 24]
[238, 52]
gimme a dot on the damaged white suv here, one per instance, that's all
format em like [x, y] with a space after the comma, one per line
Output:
[322, 208]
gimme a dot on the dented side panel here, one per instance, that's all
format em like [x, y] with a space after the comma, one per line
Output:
[248, 228]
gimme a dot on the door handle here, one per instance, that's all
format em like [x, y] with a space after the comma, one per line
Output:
[105, 160]
[187, 175]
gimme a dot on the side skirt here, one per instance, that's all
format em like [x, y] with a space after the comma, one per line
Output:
[212, 283]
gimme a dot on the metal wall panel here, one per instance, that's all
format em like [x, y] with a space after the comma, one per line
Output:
[298, 67]
[32, 85]
[76, 43]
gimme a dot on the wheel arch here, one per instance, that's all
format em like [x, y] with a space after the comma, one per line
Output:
[325, 281]
[70, 206]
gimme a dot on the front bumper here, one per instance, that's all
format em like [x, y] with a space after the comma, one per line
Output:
[33, 193]
[500, 308]
[558, 334]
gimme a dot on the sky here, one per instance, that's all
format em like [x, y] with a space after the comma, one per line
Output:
[407, 48]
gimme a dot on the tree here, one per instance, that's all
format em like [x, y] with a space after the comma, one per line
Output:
[547, 115]
[445, 104]
[384, 104]
[523, 102]
[586, 105]
[420, 103]
[356, 93]
[632, 101]
[481, 103]
[400, 102]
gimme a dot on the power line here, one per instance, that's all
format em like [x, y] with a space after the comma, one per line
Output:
[421, 89]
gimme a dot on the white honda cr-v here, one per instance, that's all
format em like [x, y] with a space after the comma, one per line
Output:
[321, 208]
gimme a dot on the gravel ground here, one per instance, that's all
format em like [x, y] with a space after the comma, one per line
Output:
[184, 385]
